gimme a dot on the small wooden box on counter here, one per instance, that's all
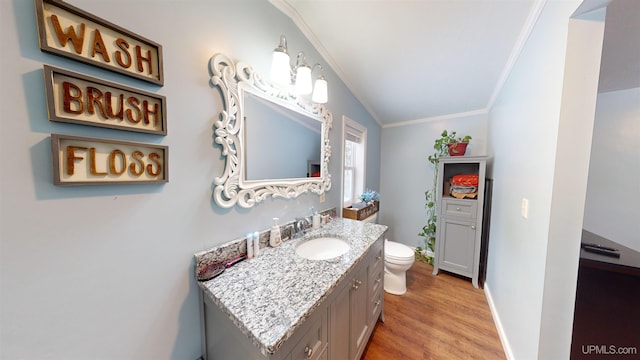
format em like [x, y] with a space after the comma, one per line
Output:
[363, 213]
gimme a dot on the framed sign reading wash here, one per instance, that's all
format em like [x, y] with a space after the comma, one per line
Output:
[80, 99]
[91, 161]
[76, 34]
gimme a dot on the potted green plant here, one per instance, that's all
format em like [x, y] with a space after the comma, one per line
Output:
[442, 148]
[456, 146]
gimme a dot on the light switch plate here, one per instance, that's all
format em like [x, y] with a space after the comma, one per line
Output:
[525, 208]
[322, 198]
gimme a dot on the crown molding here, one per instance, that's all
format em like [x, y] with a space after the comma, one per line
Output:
[532, 19]
[438, 118]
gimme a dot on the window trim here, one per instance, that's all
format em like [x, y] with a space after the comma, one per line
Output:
[349, 124]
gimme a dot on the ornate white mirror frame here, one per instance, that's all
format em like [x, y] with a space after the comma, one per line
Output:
[232, 187]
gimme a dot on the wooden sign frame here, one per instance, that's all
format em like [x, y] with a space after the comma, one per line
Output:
[80, 99]
[76, 34]
[80, 160]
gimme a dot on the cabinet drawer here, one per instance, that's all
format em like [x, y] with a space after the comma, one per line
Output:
[376, 276]
[375, 306]
[460, 208]
[324, 355]
[377, 254]
[313, 344]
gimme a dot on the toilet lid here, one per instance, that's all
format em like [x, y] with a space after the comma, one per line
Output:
[397, 250]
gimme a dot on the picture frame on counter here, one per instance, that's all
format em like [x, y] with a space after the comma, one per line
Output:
[80, 99]
[80, 160]
[73, 33]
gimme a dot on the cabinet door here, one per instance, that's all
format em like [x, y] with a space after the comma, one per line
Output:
[456, 249]
[313, 343]
[359, 312]
[340, 325]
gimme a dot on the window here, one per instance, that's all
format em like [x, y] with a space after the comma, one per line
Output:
[354, 145]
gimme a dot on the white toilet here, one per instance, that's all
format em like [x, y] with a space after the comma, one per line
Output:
[398, 258]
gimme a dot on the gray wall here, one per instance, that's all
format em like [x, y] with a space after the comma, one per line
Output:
[520, 134]
[106, 272]
[611, 210]
[540, 133]
[408, 174]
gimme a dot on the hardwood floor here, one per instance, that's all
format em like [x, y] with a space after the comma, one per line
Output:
[440, 317]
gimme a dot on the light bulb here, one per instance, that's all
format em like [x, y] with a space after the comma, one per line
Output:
[303, 80]
[280, 68]
[320, 95]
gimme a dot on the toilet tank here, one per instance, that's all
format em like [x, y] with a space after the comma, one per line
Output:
[373, 219]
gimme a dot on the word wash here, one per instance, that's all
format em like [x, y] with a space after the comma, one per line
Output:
[68, 31]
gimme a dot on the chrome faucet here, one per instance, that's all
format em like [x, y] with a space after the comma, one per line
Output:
[300, 227]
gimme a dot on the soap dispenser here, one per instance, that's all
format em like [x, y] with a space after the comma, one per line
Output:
[275, 239]
[315, 218]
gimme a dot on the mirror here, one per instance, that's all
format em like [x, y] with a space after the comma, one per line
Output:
[289, 139]
[275, 143]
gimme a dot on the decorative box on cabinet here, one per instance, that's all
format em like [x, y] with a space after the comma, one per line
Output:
[459, 221]
[361, 213]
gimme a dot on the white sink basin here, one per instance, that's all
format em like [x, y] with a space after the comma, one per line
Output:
[323, 248]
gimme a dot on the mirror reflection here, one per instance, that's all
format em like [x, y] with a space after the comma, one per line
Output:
[280, 143]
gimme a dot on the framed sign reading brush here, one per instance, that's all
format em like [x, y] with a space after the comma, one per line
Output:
[79, 99]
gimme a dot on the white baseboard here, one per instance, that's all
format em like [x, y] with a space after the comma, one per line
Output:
[496, 320]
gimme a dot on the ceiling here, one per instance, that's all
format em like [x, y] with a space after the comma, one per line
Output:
[620, 66]
[409, 61]
[413, 60]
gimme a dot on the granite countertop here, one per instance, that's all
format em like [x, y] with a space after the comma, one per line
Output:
[269, 296]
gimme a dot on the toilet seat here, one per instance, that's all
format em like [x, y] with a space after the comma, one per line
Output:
[402, 261]
[397, 252]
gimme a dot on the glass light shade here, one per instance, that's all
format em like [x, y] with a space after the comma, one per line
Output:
[320, 95]
[303, 80]
[280, 68]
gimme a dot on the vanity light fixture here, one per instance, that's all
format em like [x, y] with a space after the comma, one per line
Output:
[280, 72]
[301, 74]
[320, 95]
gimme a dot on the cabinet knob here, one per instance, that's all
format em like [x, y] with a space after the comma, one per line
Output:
[308, 351]
[356, 284]
[457, 209]
[473, 227]
[377, 302]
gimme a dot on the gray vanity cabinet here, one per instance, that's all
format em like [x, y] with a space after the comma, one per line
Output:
[225, 341]
[357, 306]
[359, 312]
[349, 326]
[459, 221]
[338, 328]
